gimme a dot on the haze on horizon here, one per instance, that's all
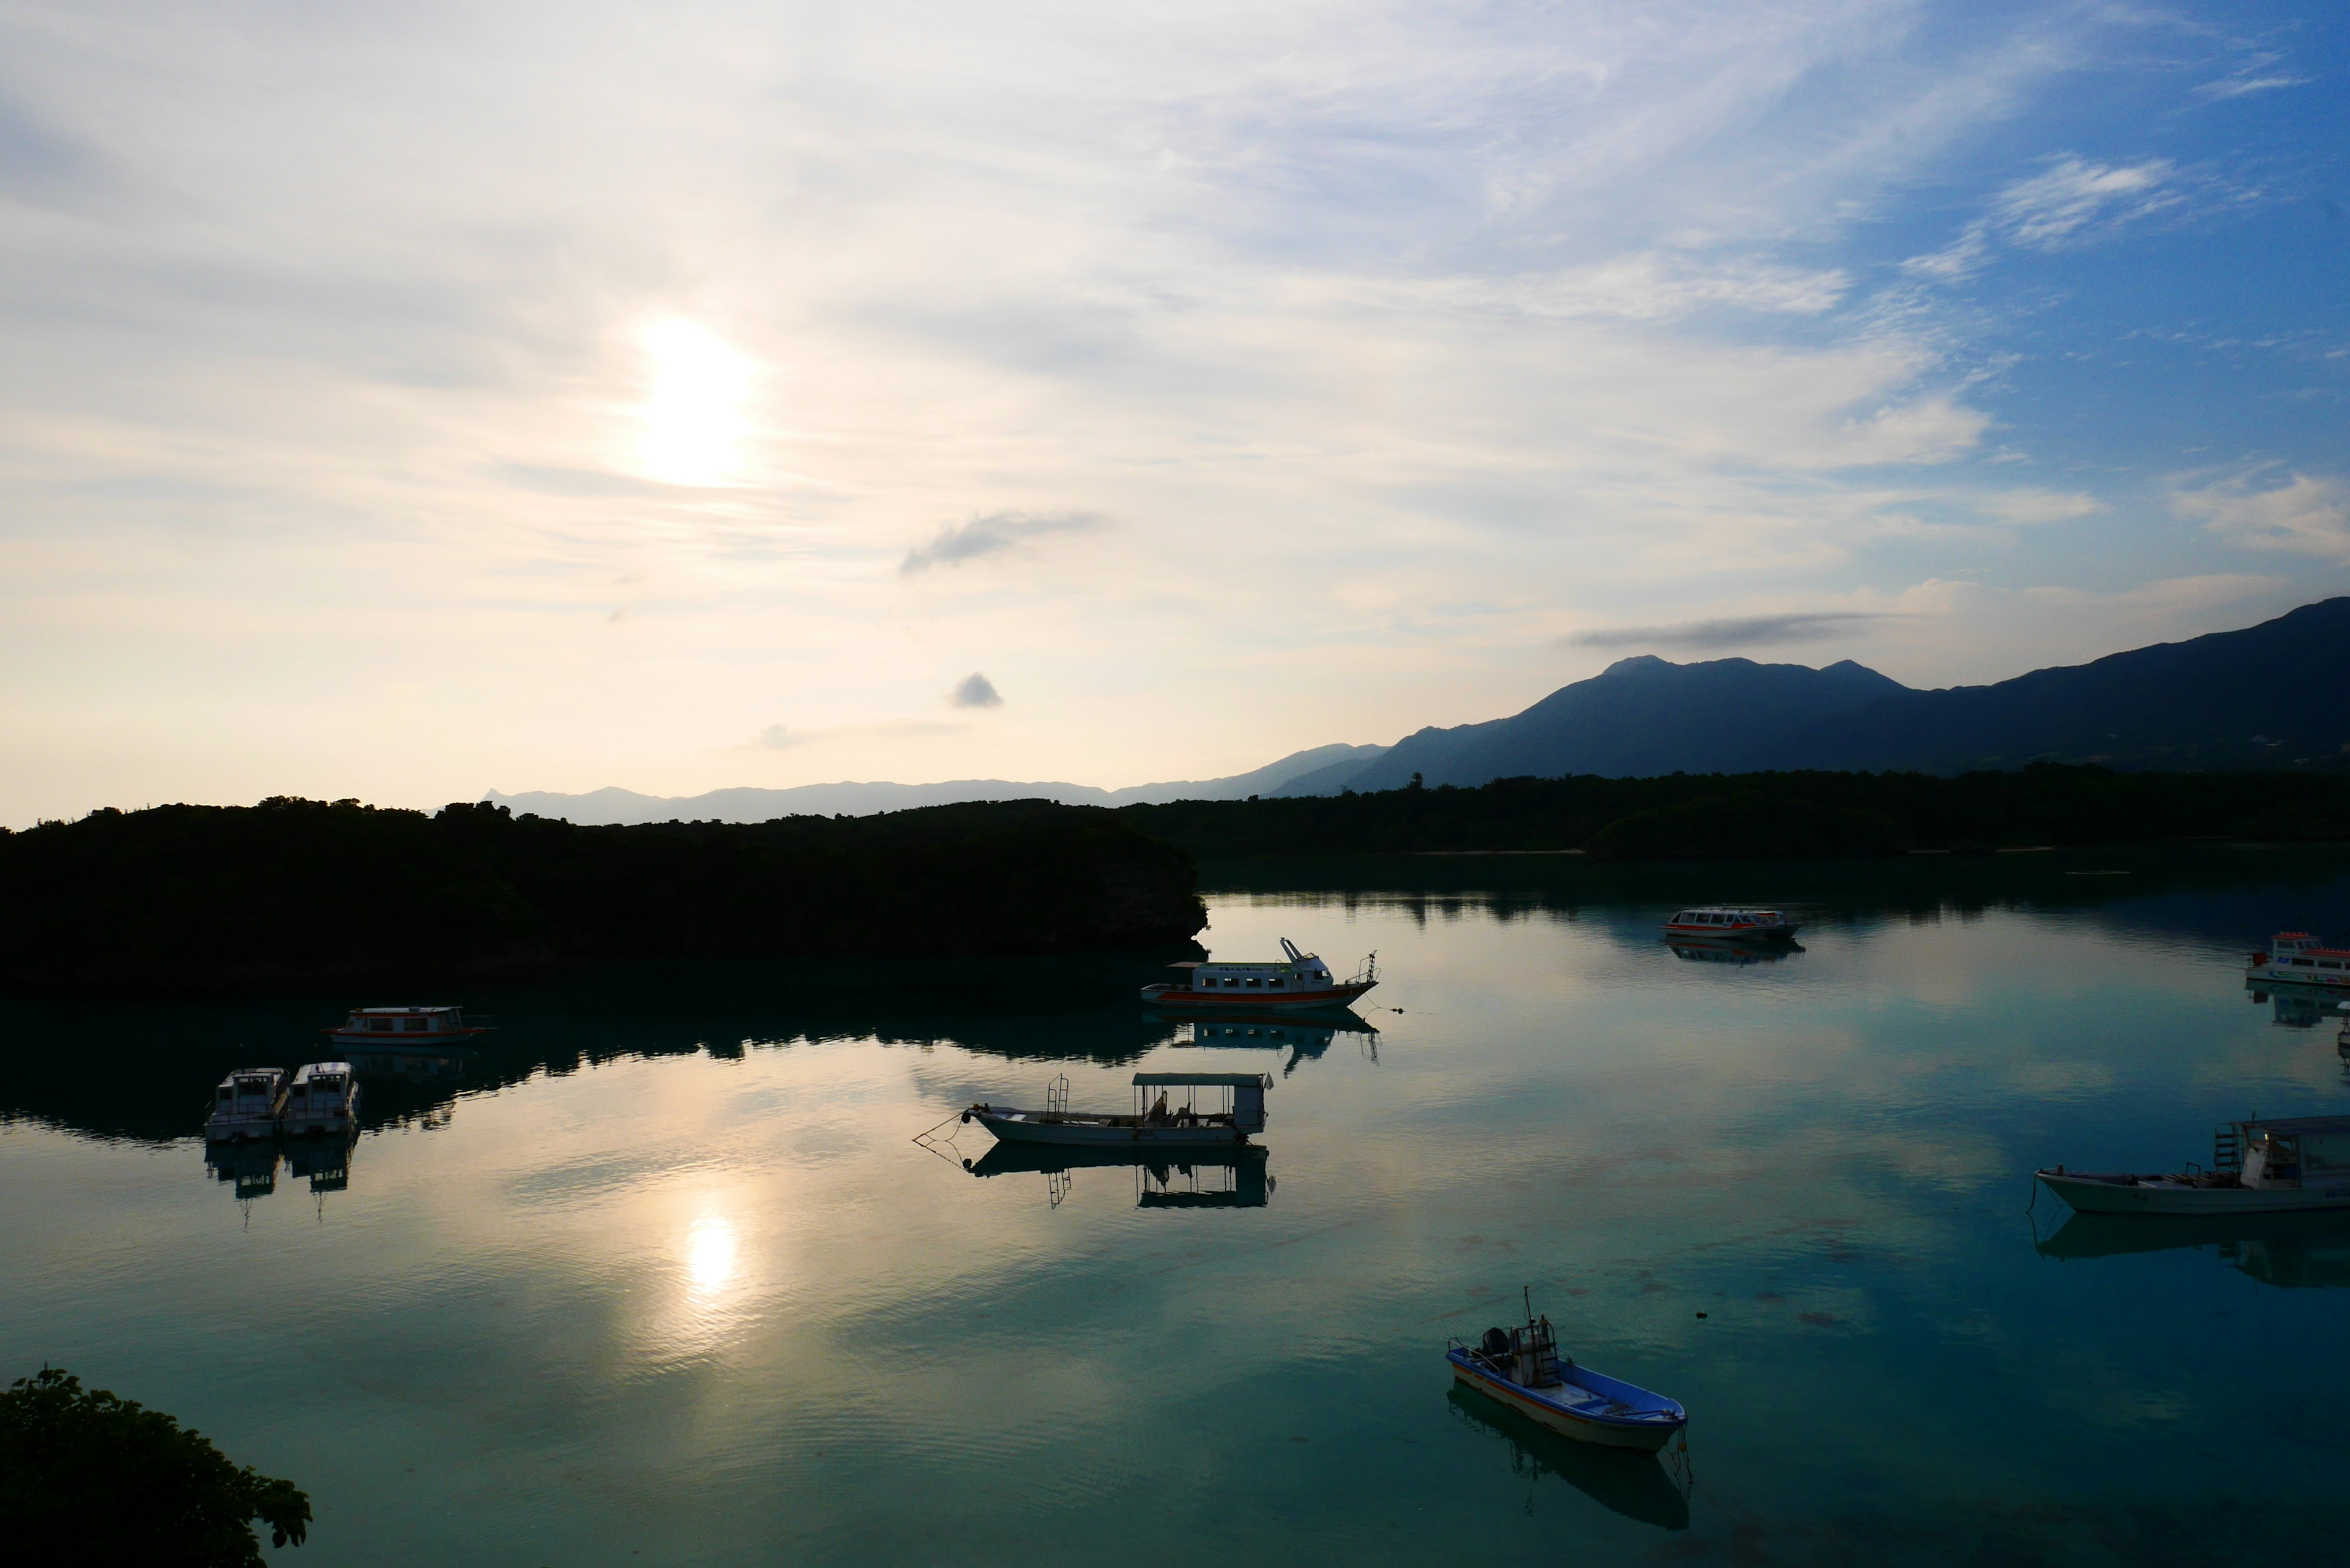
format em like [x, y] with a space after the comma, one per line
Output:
[405, 402]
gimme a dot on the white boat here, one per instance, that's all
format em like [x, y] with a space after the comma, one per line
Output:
[402, 1028]
[1521, 1368]
[1298, 980]
[247, 1106]
[2296, 958]
[325, 1098]
[1739, 925]
[2257, 1167]
[1172, 1117]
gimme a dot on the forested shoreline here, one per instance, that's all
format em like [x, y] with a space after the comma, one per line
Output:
[1791, 816]
[294, 892]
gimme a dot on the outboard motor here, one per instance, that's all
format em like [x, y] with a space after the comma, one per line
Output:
[1496, 1342]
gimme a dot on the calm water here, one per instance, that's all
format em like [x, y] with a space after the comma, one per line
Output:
[663, 1278]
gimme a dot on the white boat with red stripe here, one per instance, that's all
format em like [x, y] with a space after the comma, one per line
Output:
[391, 1028]
[1297, 981]
[1735, 925]
[2296, 958]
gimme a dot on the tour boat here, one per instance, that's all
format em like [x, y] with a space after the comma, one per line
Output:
[2257, 1167]
[1521, 1367]
[324, 1099]
[1299, 980]
[397, 1028]
[1751, 925]
[1155, 1124]
[2296, 958]
[248, 1105]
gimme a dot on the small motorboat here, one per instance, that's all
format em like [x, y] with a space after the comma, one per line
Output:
[2274, 1166]
[324, 1099]
[1521, 1368]
[248, 1105]
[1733, 925]
[1174, 1118]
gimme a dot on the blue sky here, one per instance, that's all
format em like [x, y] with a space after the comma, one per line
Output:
[404, 404]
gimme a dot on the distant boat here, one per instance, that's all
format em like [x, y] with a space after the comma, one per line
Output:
[1521, 1367]
[325, 1098]
[247, 1106]
[1300, 980]
[1741, 925]
[2257, 1167]
[402, 1028]
[2296, 958]
[1172, 1118]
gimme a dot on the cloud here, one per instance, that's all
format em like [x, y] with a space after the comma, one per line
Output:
[1734, 631]
[977, 691]
[997, 534]
[2023, 508]
[2309, 515]
[2066, 204]
[775, 738]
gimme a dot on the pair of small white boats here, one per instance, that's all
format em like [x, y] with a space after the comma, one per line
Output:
[257, 1103]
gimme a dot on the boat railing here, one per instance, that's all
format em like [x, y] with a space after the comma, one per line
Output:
[1368, 974]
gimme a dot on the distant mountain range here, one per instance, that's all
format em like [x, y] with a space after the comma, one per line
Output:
[2260, 698]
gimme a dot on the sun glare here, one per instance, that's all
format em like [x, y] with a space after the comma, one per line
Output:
[694, 419]
[709, 1252]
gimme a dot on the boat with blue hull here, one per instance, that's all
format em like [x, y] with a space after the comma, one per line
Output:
[1521, 1368]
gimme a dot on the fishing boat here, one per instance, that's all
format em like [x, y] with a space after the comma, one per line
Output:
[2257, 1167]
[247, 1106]
[1172, 1117]
[1296, 980]
[402, 1028]
[324, 1099]
[2296, 958]
[1521, 1368]
[1738, 925]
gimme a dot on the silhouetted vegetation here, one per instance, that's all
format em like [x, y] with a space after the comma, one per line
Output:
[1773, 814]
[296, 891]
[89, 1478]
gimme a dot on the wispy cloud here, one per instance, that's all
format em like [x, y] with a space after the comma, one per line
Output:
[997, 534]
[2067, 203]
[2308, 515]
[2256, 75]
[1731, 632]
[2023, 508]
[975, 690]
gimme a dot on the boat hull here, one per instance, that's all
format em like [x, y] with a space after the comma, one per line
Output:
[1171, 997]
[1083, 1132]
[2122, 1194]
[2280, 974]
[240, 1130]
[1645, 1435]
[1784, 931]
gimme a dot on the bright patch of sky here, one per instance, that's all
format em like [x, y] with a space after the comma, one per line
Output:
[403, 401]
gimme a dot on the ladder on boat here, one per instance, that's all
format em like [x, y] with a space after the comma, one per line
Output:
[1057, 1098]
[2228, 1149]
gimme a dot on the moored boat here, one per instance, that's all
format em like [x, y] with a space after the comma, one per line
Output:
[2296, 958]
[1299, 980]
[402, 1028]
[1733, 925]
[325, 1098]
[2271, 1167]
[1173, 1118]
[1522, 1369]
[247, 1106]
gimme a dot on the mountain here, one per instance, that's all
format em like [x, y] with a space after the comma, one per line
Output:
[2254, 698]
[610, 807]
[1639, 718]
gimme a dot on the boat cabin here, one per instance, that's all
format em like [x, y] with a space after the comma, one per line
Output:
[403, 1023]
[1294, 972]
[2297, 950]
[1173, 1100]
[1727, 921]
[2295, 1151]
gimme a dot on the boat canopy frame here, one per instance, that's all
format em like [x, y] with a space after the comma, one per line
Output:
[1239, 1098]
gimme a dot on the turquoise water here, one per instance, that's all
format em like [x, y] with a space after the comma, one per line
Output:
[663, 1276]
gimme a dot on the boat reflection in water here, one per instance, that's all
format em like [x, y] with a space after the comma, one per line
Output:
[1720, 950]
[422, 1066]
[1305, 1039]
[1637, 1485]
[2298, 1008]
[250, 1167]
[325, 1161]
[1232, 1176]
[2291, 1252]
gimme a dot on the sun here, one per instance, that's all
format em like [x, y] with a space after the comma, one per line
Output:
[693, 419]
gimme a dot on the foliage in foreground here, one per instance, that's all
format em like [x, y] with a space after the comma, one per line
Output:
[88, 1478]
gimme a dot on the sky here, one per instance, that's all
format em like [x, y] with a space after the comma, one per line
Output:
[405, 401]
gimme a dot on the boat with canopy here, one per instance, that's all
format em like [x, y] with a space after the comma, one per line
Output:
[1170, 1110]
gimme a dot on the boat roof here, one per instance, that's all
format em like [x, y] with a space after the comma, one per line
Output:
[2294, 1126]
[371, 1011]
[314, 1069]
[1222, 1080]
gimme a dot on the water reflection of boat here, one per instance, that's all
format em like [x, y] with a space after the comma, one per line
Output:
[2303, 1250]
[1722, 950]
[424, 1065]
[252, 1169]
[1174, 1119]
[325, 1161]
[2297, 1009]
[1635, 1485]
[1304, 1040]
[1232, 1177]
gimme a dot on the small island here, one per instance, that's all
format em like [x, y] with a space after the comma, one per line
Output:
[293, 893]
